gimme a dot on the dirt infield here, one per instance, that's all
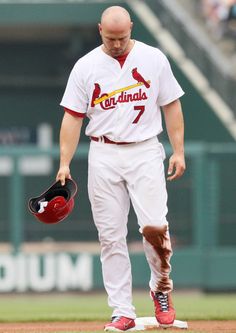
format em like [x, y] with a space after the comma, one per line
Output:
[198, 326]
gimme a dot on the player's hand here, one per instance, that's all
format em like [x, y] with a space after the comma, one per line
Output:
[63, 173]
[176, 166]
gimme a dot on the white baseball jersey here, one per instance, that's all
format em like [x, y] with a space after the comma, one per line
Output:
[122, 104]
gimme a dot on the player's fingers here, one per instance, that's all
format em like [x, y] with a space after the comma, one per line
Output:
[61, 177]
[63, 181]
[62, 174]
[178, 172]
[170, 168]
[172, 177]
[176, 166]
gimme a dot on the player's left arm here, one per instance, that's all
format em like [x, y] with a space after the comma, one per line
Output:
[175, 128]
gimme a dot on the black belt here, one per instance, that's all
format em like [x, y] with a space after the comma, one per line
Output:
[104, 139]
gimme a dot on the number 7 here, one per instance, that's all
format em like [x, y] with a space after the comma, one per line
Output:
[141, 109]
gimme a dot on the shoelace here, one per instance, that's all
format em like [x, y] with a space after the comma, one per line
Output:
[163, 301]
[115, 319]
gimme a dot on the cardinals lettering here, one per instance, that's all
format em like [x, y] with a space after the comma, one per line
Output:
[110, 100]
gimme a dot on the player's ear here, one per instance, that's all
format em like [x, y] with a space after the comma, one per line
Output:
[131, 26]
[99, 28]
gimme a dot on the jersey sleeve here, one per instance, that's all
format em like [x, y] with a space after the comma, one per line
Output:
[75, 113]
[169, 88]
[75, 97]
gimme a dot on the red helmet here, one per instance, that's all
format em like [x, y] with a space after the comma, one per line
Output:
[55, 204]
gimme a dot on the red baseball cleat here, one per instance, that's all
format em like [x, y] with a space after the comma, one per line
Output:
[164, 309]
[120, 324]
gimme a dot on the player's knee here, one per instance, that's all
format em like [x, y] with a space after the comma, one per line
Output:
[112, 245]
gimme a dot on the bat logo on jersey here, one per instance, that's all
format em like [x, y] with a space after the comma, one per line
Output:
[110, 100]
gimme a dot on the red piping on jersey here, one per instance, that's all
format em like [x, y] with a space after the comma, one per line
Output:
[74, 113]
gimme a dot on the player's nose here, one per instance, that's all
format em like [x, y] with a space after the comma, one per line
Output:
[117, 44]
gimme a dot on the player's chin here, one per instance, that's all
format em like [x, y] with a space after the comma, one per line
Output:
[117, 53]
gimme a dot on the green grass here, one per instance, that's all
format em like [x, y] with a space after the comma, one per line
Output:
[206, 307]
[87, 307]
[93, 307]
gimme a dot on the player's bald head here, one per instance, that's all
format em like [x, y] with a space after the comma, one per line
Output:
[115, 30]
[116, 17]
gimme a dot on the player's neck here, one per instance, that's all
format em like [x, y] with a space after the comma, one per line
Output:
[125, 53]
[130, 46]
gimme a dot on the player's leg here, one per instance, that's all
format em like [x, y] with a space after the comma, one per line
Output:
[110, 206]
[147, 189]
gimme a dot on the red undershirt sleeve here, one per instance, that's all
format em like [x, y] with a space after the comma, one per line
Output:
[74, 113]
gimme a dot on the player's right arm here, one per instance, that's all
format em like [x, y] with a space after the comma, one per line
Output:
[69, 139]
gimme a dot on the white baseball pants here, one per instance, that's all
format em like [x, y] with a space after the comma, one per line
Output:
[116, 174]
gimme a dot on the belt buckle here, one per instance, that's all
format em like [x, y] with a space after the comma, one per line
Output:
[101, 139]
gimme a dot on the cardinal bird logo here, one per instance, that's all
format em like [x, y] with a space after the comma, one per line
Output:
[138, 77]
[96, 93]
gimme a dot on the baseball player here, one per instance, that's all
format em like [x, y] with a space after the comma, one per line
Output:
[121, 86]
